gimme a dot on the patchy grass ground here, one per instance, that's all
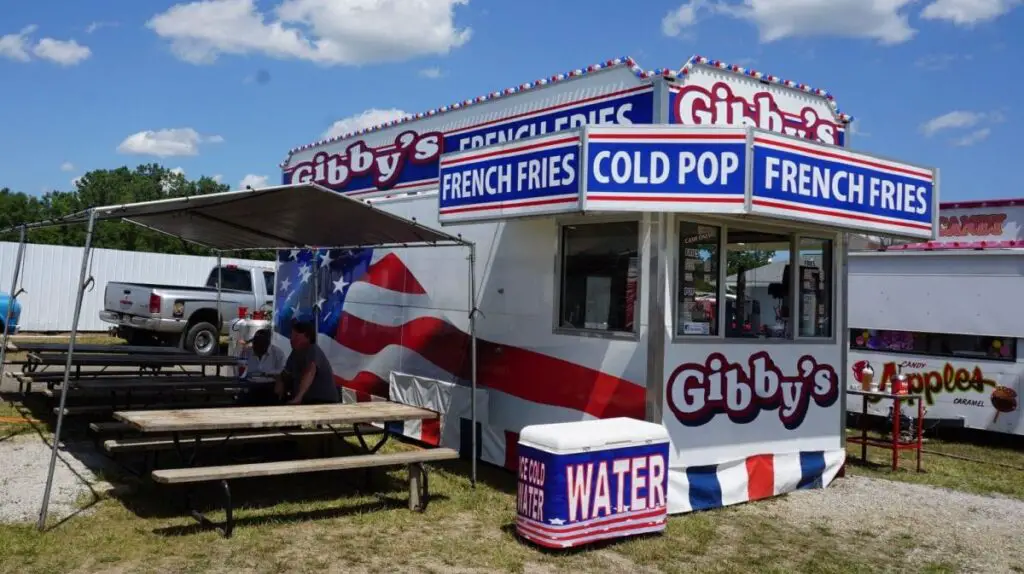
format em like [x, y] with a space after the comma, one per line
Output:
[992, 470]
[325, 523]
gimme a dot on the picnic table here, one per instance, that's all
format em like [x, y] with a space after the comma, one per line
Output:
[230, 421]
[126, 390]
[94, 348]
[151, 361]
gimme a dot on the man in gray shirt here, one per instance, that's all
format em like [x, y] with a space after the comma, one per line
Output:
[307, 377]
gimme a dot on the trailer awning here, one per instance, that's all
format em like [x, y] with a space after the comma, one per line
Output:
[280, 217]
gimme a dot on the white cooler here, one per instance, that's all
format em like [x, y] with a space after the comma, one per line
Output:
[593, 480]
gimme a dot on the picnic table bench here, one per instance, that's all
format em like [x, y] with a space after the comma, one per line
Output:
[143, 361]
[230, 421]
[32, 347]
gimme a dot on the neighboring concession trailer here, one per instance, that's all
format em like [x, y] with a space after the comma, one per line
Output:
[621, 219]
[948, 313]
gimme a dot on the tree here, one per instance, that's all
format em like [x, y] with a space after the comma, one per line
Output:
[146, 182]
[738, 261]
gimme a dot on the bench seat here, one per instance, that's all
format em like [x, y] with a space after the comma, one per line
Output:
[419, 492]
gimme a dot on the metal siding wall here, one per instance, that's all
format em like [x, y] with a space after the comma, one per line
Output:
[51, 274]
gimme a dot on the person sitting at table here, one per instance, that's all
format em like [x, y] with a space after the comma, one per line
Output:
[307, 377]
[262, 358]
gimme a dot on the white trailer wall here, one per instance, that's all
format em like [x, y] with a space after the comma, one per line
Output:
[51, 273]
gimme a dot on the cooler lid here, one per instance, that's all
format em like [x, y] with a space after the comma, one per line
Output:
[601, 434]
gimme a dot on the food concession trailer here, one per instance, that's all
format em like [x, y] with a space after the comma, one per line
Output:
[621, 218]
[946, 314]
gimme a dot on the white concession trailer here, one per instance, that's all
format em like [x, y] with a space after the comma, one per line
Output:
[621, 218]
[947, 313]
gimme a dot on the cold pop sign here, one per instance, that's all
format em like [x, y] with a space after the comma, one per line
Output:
[655, 168]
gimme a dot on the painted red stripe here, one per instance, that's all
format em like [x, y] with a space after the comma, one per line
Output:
[525, 374]
[827, 213]
[760, 476]
[430, 431]
[512, 451]
[391, 274]
[593, 524]
[365, 383]
[666, 198]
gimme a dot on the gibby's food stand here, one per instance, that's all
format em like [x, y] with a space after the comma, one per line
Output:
[662, 245]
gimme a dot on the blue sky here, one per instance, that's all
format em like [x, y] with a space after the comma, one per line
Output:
[242, 81]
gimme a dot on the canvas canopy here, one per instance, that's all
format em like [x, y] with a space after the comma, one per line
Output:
[285, 216]
[281, 217]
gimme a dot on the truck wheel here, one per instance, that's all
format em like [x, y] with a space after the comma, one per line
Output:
[202, 339]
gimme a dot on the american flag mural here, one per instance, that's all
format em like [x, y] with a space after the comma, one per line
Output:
[374, 316]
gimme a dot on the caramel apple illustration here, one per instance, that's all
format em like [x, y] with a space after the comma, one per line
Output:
[1004, 399]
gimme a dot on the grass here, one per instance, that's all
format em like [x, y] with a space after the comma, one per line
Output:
[985, 476]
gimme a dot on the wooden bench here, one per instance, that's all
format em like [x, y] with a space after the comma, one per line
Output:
[419, 492]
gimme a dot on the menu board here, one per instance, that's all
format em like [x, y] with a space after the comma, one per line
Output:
[699, 279]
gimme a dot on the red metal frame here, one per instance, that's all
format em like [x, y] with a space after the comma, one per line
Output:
[895, 444]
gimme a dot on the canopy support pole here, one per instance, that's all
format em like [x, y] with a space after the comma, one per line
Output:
[472, 356]
[14, 292]
[220, 312]
[83, 284]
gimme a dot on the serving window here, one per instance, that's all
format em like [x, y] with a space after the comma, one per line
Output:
[738, 282]
[599, 277]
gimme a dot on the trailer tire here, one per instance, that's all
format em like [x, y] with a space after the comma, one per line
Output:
[202, 339]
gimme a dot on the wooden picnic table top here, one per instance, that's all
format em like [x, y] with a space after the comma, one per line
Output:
[62, 348]
[126, 360]
[236, 418]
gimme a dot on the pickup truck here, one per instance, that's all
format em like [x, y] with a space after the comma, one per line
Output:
[144, 314]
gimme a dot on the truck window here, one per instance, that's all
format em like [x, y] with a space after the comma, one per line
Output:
[235, 279]
[268, 280]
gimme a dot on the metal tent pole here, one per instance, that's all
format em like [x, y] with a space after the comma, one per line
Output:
[82, 285]
[13, 293]
[472, 356]
[220, 312]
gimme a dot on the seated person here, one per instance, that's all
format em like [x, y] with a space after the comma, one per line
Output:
[262, 358]
[307, 377]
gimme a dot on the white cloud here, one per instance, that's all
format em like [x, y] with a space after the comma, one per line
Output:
[681, 18]
[323, 31]
[968, 12]
[166, 143]
[63, 52]
[178, 171]
[972, 138]
[885, 21]
[254, 181]
[936, 62]
[67, 166]
[959, 119]
[218, 177]
[431, 73]
[16, 46]
[93, 26]
[367, 119]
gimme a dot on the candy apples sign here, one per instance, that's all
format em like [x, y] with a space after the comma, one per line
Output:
[697, 393]
[712, 96]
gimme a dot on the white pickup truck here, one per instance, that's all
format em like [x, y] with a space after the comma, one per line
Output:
[144, 314]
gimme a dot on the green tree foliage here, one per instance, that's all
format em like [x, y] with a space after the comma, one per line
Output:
[107, 187]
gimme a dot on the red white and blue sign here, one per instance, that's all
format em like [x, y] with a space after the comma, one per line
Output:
[665, 168]
[811, 182]
[528, 177]
[567, 500]
[410, 161]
